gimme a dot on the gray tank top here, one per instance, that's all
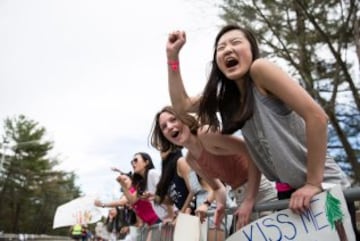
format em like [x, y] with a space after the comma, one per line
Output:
[276, 139]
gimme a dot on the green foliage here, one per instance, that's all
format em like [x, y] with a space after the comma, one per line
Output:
[316, 41]
[333, 209]
[30, 186]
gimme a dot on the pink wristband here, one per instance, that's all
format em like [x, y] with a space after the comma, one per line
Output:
[174, 64]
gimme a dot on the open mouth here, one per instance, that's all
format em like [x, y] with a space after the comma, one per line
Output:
[231, 62]
[175, 134]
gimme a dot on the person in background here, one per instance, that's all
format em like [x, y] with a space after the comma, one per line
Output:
[140, 202]
[114, 224]
[85, 232]
[128, 221]
[99, 231]
[142, 206]
[178, 183]
[284, 128]
[76, 231]
[145, 179]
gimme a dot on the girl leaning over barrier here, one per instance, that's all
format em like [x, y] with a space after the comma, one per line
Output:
[228, 162]
[284, 128]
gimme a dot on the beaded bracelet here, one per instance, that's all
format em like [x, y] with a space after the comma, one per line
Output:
[174, 64]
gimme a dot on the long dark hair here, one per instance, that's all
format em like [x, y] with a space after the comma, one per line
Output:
[138, 181]
[222, 94]
[168, 171]
[124, 217]
[156, 136]
[114, 223]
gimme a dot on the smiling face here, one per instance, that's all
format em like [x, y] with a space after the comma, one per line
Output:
[233, 54]
[173, 129]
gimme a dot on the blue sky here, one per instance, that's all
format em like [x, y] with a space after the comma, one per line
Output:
[93, 73]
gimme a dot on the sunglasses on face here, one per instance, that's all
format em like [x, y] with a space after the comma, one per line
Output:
[134, 161]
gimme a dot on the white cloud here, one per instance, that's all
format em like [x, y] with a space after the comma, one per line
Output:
[93, 73]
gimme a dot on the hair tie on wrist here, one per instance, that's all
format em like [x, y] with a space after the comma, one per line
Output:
[174, 64]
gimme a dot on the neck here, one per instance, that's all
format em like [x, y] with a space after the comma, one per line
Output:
[142, 173]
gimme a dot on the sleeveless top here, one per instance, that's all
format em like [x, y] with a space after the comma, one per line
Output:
[275, 136]
[234, 173]
[178, 191]
[144, 209]
[153, 177]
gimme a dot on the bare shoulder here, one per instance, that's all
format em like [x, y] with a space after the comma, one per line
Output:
[260, 67]
[182, 161]
[266, 75]
[182, 167]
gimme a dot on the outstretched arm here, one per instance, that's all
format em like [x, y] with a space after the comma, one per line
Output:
[121, 202]
[179, 98]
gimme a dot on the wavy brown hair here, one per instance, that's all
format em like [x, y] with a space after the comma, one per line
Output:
[157, 138]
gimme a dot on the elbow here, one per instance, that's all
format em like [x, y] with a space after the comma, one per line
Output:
[132, 200]
[317, 117]
[321, 118]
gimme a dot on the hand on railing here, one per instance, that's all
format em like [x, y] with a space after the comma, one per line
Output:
[201, 212]
[243, 214]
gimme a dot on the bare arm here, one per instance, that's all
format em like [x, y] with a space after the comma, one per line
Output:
[184, 170]
[121, 202]
[245, 209]
[271, 80]
[179, 98]
[131, 197]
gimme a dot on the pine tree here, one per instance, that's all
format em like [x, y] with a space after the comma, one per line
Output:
[335, 215]
[30, 187]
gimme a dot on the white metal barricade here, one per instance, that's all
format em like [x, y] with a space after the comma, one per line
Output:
[161, 232]
[165, 232]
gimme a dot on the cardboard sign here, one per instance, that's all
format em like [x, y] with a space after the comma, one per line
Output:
[327, 219]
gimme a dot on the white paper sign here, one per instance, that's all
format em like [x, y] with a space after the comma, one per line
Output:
[189, 228]
[78, 211]
[328, 219]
